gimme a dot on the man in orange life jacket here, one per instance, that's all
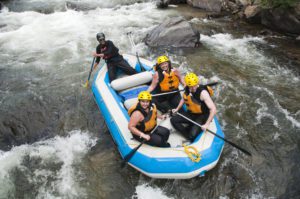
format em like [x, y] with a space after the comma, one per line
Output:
[201, 108]
[110, 53]
[166, 79]
[143, 119]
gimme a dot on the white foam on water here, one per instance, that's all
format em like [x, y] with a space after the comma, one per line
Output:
[64, 152]
[145, 191]
[263, 112]
[244, 52]
[287, 114]
[237, 47]
[72, 32]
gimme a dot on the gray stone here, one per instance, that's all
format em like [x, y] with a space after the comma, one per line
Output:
[209, 5]
[243, 2]
[162, 3]
[283, 20]
[253, 14]
[173, 32]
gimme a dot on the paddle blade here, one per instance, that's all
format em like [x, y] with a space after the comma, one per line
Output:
[131, 153]
[86, 84]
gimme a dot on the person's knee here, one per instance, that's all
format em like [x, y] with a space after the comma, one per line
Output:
[173, 120]
[194, 132]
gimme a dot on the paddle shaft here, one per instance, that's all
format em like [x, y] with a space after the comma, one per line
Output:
[229, 142]
[167, 93]
[136, 53]
[91, 68]
[132, 152]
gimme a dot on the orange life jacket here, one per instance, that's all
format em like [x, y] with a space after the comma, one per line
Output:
[193, 102]
[150, 119]
[169, 81]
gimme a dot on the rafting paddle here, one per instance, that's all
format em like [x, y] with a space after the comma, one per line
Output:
[136, 53]
[132, 152]
[167, 93]
[229, 142]
[87, 81]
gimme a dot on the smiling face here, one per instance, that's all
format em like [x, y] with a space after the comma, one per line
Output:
[164, 66]
[145, 104]
[193, 88]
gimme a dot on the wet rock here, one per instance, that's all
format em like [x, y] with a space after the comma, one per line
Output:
[174, 32]
[282, 20]
[79, 6]
[214, 15]
[209, 5]
[162, 3]
[297, 9]
[266, 32]
[166, 3]
[177, 1]
[243, 2]
[253, 14]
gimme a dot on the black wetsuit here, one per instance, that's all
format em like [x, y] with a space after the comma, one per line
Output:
[113, 60]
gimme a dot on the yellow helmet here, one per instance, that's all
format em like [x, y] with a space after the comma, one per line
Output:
[191, 79]
[144, 95]
[162, 59]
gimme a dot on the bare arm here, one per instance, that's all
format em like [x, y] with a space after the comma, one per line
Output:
[135, 118]
[181, 79]
[211, 105]
[153, 83]
[179, 106]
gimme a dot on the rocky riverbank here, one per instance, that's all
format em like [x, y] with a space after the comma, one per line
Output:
[285, 20]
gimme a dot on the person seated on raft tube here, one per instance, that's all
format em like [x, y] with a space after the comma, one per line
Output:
[201, 108]
[110, 53]
[143, 119]
[166, 79]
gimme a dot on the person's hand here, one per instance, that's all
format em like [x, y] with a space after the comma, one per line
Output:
[145, 136]
[95, 54]
[95, 67]
[174, 110]
[204, 127]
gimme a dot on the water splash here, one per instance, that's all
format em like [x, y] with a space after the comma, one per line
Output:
[263, 112]
[48, 166]
[287, 114]
[145, 191]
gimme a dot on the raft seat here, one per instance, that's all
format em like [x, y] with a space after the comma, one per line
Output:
[127, 82]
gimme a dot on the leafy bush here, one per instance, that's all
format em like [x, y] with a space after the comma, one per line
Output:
[278, 3]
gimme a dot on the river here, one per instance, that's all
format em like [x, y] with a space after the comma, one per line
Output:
[55, 144]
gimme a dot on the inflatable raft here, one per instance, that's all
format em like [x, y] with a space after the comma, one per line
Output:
[177, 162]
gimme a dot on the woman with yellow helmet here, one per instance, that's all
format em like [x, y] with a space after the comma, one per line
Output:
[143, 119]
[166, 79]
[200, 108]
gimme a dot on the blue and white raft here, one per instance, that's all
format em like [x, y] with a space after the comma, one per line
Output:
[176, 162]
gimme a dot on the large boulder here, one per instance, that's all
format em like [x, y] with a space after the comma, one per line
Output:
[209, 5]
[283, 20]
[253, 14]
[174, 32]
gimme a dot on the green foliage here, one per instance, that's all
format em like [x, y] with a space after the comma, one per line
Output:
[278, 3]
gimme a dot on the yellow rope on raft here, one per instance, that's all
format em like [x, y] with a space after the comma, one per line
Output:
[193, 154]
